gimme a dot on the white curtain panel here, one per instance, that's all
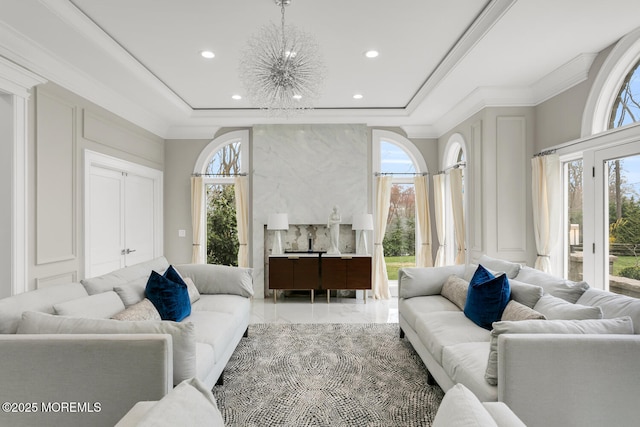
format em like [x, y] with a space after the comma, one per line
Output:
[438, 199]
[241, 184]
[457, 206]
[197, 219]
[424, 256]
[383, 200]
[547, 194]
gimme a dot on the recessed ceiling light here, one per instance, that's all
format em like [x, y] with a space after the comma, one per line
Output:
[236, 97]
[207, 54]
[371, 54]
[357, 96]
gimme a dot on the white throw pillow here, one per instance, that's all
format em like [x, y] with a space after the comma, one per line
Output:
[99, 306]
[190, 403]
[132, 292]
[552, 285]
[144, 310]
[558, 309]
[182, 334]
[461, 408]
[621, 325]
[525, 293]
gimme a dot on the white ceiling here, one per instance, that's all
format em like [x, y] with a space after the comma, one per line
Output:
[439, 62]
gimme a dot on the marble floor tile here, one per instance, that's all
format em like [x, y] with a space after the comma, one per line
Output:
[297, 309]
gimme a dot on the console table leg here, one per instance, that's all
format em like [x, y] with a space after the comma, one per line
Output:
[275, 296]
[312, 293]
[365, 296]
[328, 296]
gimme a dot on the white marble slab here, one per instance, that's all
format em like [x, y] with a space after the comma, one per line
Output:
[305, 170]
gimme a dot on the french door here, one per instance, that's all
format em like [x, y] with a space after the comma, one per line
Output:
[123, 214]
[617, 218]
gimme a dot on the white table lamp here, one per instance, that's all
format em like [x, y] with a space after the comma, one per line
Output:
[277, 222]
[362, 223]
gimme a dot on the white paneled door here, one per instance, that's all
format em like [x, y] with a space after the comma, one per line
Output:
[123, 214]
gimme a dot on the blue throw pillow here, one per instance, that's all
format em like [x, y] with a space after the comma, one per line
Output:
[170, 298]
[174, 276]
[487, 297]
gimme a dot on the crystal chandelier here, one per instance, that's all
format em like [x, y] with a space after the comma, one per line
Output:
[282, 69]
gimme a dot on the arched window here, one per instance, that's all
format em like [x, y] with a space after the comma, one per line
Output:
[454, 163]
[398, 157]
[220, 164]
[626, 107]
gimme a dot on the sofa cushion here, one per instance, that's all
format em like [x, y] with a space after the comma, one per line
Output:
[182, 334]
[621, 325]
[525, 293]
[613, 305]
[132, 292]
[144, 310]
[107, 282]
[552, 285]
[97, 306]
[412, 308]
[205, 360]
[466, 363]
[515, 311]
[558, 309]
[511, 269]
[219, 338]
[442, 329]
[169, 297]
[455, 290]
[423, 281]
[219, 279]
[43, 300]
[190, 403]
[231, 304]
[503, 415]
[487, 297]
[194, 294]
[460, 408]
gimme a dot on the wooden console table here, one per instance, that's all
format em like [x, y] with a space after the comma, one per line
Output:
[311, 271]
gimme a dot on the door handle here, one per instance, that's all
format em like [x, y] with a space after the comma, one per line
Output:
[128, 251]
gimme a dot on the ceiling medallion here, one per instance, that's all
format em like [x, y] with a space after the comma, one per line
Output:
[282, 68]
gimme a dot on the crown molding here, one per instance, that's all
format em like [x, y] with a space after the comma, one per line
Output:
[490, 15]
[564, 77]
[17, 80]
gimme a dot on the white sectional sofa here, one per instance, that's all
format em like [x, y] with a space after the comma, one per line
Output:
[576, 368]
[62, 353]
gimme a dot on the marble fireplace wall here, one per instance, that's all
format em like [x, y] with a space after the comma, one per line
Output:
[304, 170]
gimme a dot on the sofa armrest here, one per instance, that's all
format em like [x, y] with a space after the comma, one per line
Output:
[424, 281]
[570, 380]
[80, 379]
[219, 279]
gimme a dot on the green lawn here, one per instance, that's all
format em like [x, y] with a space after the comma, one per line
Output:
[623, 262]
[394, 263]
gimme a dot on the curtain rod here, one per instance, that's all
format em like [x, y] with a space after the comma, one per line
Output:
[220, 174]
[545, 153]
[401, 173]
[458, 165]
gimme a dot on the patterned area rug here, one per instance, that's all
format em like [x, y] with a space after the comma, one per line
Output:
[326, 375]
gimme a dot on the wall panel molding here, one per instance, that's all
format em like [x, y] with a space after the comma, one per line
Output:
[57, 279]
[107, 132]
[511, 203]
[56, 200]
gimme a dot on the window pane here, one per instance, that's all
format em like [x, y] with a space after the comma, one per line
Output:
[226, 161]
[222, 232]
[626, 108]
[394, 159]
[400, 237]
[623, 258]
[573, 189]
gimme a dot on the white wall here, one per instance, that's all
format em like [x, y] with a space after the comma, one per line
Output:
[62, 126]
[6, 178]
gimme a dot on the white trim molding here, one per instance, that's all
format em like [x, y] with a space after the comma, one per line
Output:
[17, 82]
[618, 64]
